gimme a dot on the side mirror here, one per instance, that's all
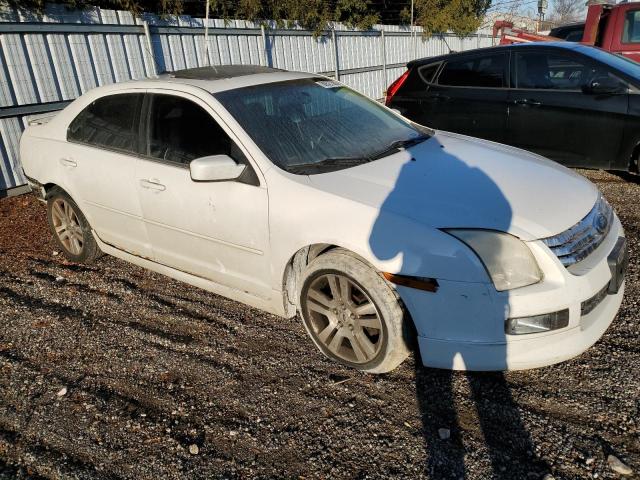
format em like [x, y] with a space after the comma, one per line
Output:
[215, 168]
[605, 85]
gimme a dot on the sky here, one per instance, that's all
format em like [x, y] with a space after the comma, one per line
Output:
[523, 7]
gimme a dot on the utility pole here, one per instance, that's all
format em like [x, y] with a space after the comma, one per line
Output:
[542, 9]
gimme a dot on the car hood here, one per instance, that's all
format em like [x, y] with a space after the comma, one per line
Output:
[454, 181]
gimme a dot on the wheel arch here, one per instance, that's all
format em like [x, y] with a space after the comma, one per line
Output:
[300, 259]
[295, 266]
[51, 187]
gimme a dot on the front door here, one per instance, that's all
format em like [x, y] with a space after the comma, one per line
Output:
[551, 115]
[100, 160]
[215, 230]
[470, 96]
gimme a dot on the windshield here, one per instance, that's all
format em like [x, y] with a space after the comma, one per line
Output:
[317, 125]
[623, 64]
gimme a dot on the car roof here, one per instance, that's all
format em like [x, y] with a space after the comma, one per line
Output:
[211, 79]
[569, 25]
[488, 50]
[223, 71]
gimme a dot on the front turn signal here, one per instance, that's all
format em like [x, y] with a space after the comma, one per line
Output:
[419, 283]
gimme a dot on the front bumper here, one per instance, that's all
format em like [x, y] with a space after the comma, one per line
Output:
[461, 327]
[532, 351]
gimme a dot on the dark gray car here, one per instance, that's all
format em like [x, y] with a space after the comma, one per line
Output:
[575, 104]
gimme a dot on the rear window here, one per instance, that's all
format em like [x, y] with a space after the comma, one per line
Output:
[110, 122]
[487, 71]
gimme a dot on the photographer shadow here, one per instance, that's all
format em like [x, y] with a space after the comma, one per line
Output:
[436, 185]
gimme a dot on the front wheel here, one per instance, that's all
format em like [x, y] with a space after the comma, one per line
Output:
[352, 315]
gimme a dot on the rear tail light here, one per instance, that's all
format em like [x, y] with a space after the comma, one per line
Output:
[395, 86]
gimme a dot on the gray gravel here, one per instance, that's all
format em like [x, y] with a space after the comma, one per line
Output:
[111, 371]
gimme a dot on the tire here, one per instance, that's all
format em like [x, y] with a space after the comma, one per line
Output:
[367, 331]
[70, 229]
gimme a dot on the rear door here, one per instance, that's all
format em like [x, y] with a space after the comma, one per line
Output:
[551, 115]
[99, 163]
[470, 96]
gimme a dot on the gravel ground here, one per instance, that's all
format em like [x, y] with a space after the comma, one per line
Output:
[111, 371]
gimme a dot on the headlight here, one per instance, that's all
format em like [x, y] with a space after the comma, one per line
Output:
[508, 260]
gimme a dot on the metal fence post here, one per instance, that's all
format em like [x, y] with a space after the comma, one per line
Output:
[383, 49]
[206, 36]
[147, 35]
[335, 50]
[265, 51]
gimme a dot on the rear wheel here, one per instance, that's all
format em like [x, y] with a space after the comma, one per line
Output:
[352, 314]
[71, 231]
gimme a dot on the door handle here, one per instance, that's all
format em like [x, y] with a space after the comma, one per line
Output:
[527, 101]
[152, 184]
[68, 162]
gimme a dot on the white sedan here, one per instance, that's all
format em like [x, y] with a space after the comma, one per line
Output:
[292, 193]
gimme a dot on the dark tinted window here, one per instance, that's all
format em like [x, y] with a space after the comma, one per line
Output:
[631, 30]
[570, 33]
[486, 71]
[617, 62]
[551, 71]
[109, 122]
[428, 72]
[180, 131]
[418, 80]
[574, 36]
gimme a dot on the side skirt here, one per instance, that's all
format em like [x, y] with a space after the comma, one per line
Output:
[275, 305]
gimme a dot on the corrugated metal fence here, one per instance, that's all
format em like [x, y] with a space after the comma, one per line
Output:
[48, 60]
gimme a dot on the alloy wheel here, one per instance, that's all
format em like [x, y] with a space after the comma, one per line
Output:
[343, 318]
[67, 226]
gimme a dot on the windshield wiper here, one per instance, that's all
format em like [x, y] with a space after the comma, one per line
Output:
[327, 163]
[397, 145]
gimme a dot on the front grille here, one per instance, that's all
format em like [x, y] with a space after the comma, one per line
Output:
[576, 243]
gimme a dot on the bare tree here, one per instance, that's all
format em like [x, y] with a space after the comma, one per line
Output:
[566, 11]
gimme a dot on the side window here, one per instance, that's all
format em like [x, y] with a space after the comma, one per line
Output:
[487, 71]
[552, 71]
[631, 30]
[180, 130]
[428, 72]
[109, 122]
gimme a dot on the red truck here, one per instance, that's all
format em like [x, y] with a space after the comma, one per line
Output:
[615, 28]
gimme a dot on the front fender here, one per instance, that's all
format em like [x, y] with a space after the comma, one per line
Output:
[389, 242]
